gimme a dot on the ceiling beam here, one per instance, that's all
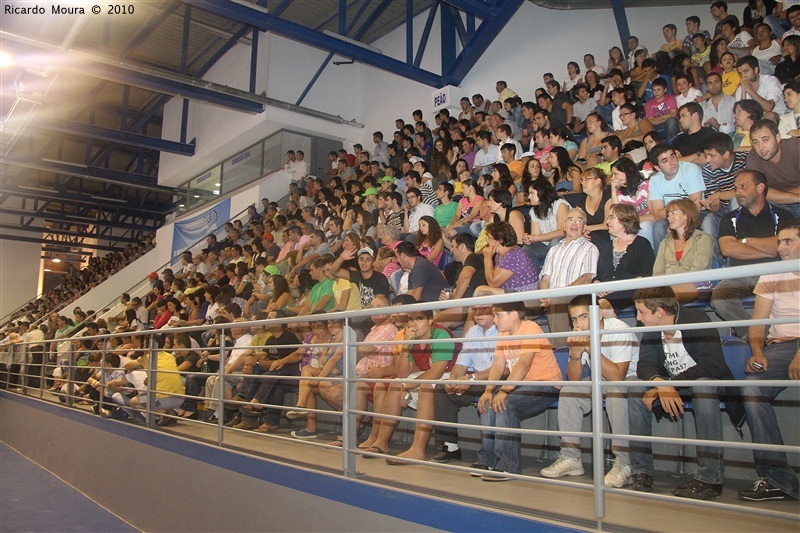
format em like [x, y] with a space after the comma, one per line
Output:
[104, 175]
[478, 8]
[75, 198]
[261, 18]
[69, 127]
[20, 238]
[479, 42]
[77, 219]
[154, 79]
[67, 232]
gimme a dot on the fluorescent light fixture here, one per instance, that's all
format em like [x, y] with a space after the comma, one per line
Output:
[216, 185]
[59, 162]
[36, 188]
[216, 192]
[352, 41]
[22, 112]
[98, 197]
[249, 5]
[196, 195]
[55, 260]
[181, 205]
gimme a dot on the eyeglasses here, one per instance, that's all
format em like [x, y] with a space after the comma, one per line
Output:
[584, 179]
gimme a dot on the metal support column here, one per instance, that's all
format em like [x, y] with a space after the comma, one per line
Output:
[618, 6]
[598, 464]
[349, 426]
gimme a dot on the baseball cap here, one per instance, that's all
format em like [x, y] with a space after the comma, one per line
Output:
[371, 190]
[152, 275]
[271, 270]
[385, 179]
[366, 250]
[414, 160]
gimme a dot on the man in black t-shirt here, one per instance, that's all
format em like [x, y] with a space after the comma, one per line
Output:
[746, 237]
[689, 143]
[369, 282]
[464, 274]
[468, 273]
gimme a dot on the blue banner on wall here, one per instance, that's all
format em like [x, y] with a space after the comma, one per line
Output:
[187, 232]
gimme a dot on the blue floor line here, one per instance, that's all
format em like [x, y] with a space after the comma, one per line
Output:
[33, 499]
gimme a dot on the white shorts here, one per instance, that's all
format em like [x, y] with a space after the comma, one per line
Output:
[415, 393]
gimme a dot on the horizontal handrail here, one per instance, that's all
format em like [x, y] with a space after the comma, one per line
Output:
[595, 382]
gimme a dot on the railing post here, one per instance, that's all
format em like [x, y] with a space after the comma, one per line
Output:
[102, 390]
[151, 382]
[221, 389]
[71, 377]
[349, 427]
[42, 382]
[598, 464]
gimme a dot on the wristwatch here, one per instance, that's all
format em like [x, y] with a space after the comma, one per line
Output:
[744, 241]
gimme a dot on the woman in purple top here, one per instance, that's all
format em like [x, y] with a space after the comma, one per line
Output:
[507, 267]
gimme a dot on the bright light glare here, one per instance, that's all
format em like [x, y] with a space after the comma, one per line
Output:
[56, 260]
[5, 60]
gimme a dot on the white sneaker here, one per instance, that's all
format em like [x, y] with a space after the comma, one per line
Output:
[619, 476]
[563, 466]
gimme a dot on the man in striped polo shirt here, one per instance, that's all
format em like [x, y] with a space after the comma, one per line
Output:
[573, 261]
[722, 166]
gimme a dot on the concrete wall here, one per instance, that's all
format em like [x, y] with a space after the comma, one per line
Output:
[161, 483]
[20, 263]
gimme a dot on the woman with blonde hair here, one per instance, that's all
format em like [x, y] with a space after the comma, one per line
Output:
[685, 248]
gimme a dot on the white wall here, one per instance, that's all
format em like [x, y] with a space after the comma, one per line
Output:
[285, 68]
[20, 263]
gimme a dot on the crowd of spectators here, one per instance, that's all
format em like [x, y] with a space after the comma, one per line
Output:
[682, 160]
[76, 283]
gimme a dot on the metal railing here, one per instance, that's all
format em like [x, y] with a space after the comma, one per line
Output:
[349, 381]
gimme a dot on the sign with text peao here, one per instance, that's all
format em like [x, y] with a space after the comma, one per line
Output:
[447, 96]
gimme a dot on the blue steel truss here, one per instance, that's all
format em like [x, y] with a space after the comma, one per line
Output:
[474, 40]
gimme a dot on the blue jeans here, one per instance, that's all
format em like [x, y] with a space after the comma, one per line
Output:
[762, 420]
[505, 453]
[660, 228]
[710, 224]
[794, 208]
[778, 26]
[707, 424]
[726, 299]
[669, 129]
